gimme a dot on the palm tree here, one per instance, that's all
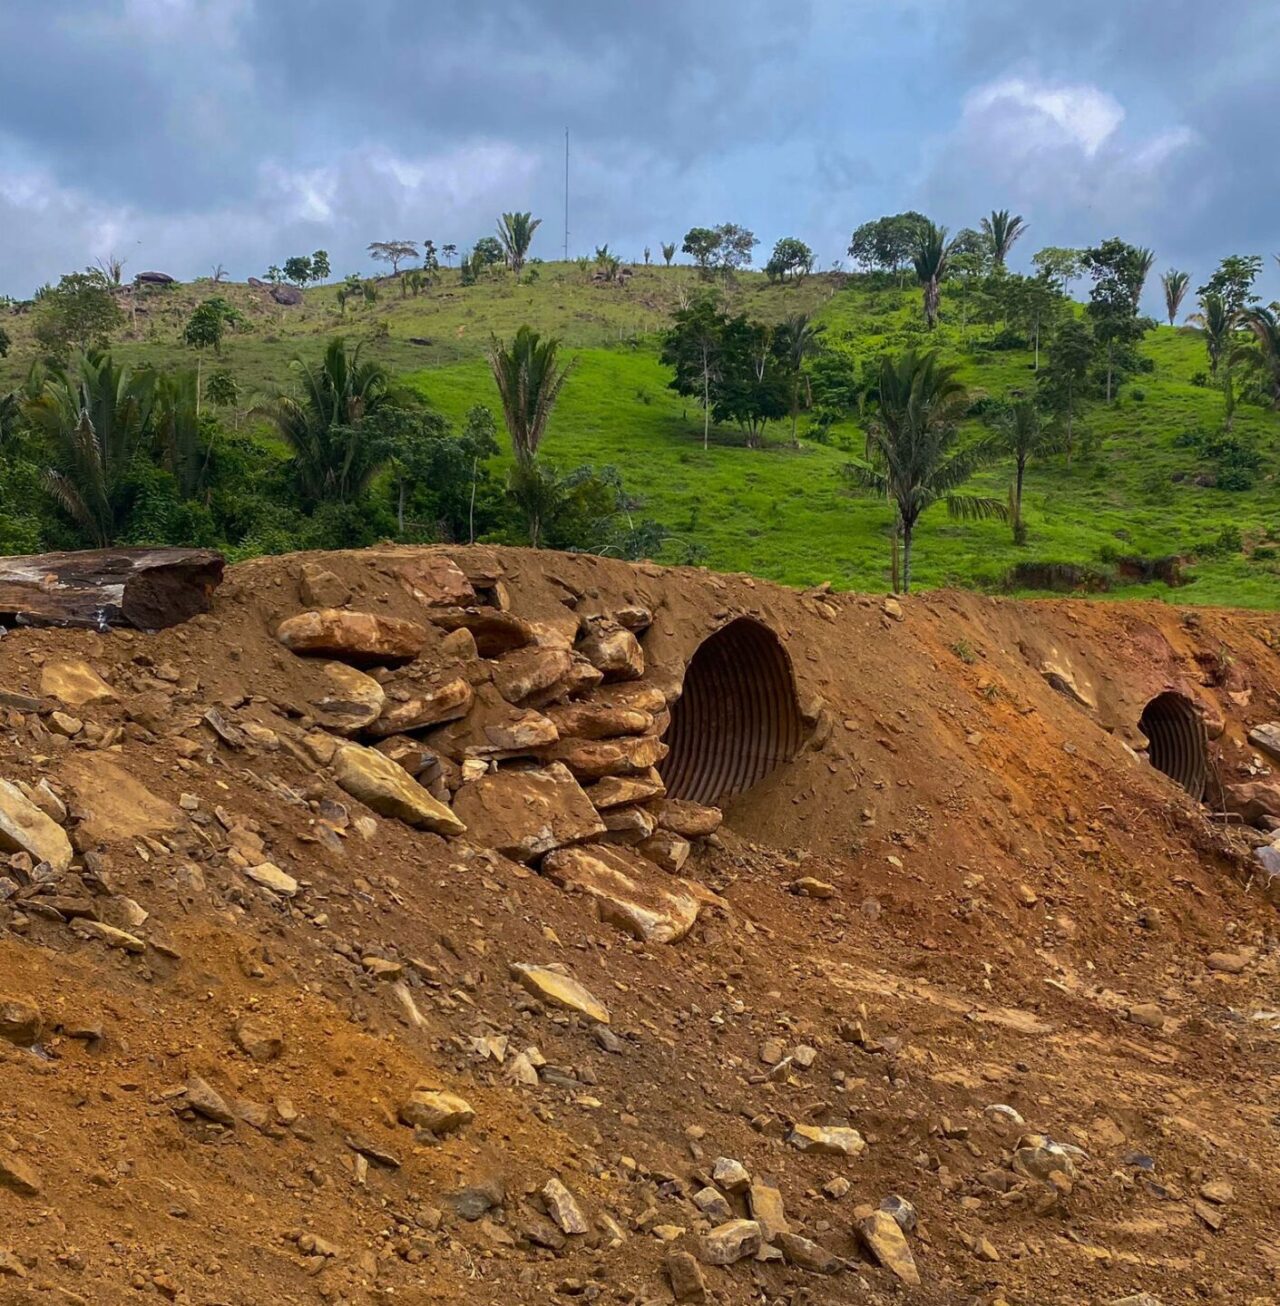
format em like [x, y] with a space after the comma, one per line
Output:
[97, 417]
[1264, 323]
[1144, 260]
[668, 252]
[1001, 230]
[1023, 434]
[1175, 285]
[529, 383]
[515, 231]
[336, 449]
[1216, 322]
[178, 431]
[796, 338]
[932, 253]
[913, 458]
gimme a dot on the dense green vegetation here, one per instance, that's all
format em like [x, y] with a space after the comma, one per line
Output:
[223, 417]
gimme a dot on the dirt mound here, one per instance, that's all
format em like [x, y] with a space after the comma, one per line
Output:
[376, 937]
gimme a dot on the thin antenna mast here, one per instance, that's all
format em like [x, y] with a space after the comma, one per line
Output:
[566, 194]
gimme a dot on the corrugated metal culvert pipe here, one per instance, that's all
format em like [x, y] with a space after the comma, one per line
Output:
[1177, 741]
[738, 717]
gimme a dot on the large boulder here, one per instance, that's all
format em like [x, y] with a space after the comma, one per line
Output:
[599, 721]
[613, 650]
[113, 803]
[360, 637]
[381, 784]
[350, 700]
[522, 673]
[25, 828]
[524, 814]
[495, 632]
[559, 989]
[435, 581]
[289, 296]
[74, 683]
[493, 729]
[690, 820]
[627, 892]
[430, 705]
[595, 759]
[1267, 737]
[1254, 799]
[621, 790]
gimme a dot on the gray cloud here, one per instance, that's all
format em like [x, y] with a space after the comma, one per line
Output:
[187, 132]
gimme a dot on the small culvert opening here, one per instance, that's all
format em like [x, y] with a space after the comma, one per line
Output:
[738, 717]
[1177, 741]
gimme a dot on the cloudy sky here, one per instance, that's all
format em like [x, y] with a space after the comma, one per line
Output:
[184, 133]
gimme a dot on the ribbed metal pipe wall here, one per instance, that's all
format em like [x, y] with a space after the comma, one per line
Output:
[738, 717]
[1178, 743]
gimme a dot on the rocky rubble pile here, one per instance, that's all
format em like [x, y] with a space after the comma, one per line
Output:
[391, 972]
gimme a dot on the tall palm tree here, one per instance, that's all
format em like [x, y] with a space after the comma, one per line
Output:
[1023, 434]
[1175, 285]
[932, 253]
[1264, 323]
[529, 381]
[97, 417]
[1001, 230]
[1216, 323]
[515, 231]
[912, 443]
[337, 450]
[796, 338]
[1144, 260]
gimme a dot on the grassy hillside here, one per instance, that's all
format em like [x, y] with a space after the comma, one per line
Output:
[783, 512]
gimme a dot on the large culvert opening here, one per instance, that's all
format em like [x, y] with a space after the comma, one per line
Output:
[738, 717]
[1177, 741]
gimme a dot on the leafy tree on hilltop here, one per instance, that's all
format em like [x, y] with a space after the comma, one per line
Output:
[912, 442]
[207, 325]
[1118, 271]
[1001, 231]
[733, 247]
[298, 269]
[392, 251]
[515, 231]
[320, 269]
[529, 380]
[487, 252]
[930, 258]
[888, 243]
[1233, 282]
[1174, 284]
[1059, 264]
[791, 258]
[1064, 381]
[700, 243]
[693, 348]
[80, 313]
[752, 387]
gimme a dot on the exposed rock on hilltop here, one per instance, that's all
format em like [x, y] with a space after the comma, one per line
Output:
[488, 926]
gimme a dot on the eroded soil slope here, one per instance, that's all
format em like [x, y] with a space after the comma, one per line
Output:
[274, 1027]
